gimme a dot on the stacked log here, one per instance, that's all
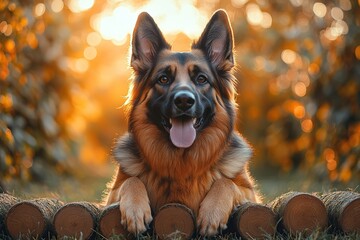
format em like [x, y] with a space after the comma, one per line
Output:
[174, 221]
[6, 202]
[31, 219]
[293, 212]
[253, 221]
[344, 210]
[77, 219]
[300, 212]
[110, 222]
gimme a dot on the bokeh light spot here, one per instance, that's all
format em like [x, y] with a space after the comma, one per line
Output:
[57, 5]
[307, 125]
[357, 52]
[93, 39]
[266, 21]
[299, 89]
[288, 56]
[90, 53]
[299, 111]
[253, 14]
[337, 13]
[319, 9]
[238, 3]
[39, 9]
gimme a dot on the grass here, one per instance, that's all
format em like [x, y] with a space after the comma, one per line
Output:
[316, 235]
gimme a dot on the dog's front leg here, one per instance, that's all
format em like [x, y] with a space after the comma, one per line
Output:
[218, 204]
[134, 205]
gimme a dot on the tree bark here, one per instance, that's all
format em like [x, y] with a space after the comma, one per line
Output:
[6, 202]
[343, 209]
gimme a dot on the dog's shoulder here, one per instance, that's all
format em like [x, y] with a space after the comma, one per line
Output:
[235, 157]
[127, 154]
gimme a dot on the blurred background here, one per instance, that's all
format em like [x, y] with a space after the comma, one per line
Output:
[64, 76]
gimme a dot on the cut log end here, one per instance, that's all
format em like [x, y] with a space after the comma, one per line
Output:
[174, 221]
[75, 220]
[304, 213]
[110, 222]
[25, 220]
[256, 221]
[349, 219]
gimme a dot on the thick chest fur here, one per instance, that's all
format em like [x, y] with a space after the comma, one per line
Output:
[189, 191]
[190, 181]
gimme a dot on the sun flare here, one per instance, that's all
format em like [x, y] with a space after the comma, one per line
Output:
[116, 24]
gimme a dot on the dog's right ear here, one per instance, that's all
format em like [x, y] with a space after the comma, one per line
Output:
[147, 42]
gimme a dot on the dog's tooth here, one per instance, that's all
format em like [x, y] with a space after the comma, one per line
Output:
[194, 120]
[170, 121]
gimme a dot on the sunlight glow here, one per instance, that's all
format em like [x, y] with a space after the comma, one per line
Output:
[118, 24]
[77, 6]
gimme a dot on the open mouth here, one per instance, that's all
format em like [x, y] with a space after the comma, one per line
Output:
[182, 130]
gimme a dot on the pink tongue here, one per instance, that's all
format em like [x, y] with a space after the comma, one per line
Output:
[182, 133]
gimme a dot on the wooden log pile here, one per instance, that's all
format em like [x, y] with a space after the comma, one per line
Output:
[292, 213]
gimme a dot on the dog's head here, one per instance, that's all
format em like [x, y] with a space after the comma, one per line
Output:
[181, 92]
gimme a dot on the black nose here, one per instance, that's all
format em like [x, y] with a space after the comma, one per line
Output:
[184, 100]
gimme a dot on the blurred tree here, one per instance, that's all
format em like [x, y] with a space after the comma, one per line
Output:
[299, 83]
[299, 68]
[34, 92]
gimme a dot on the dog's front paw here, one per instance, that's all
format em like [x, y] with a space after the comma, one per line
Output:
[212, 218]
[135, 217]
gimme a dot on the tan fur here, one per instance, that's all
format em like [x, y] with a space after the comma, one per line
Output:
[210, 177]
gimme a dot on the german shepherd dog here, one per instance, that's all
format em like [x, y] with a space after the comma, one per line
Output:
[182, 145]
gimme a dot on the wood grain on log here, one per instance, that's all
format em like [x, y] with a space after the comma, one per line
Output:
[253, 221]
[77, 219]
[110, 221]
[31, 218]
[174, 220]
[300, 212]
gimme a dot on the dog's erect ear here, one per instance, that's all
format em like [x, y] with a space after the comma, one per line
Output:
[147, 42]
[216, 41]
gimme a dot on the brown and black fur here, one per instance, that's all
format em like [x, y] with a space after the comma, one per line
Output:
[210, 176]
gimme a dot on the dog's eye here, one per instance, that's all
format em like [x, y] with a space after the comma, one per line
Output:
[201, 79]
[163, 80]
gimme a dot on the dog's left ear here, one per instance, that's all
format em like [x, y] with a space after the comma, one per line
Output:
[216, 41]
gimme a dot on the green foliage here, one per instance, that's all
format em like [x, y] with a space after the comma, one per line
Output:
[33, 92]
